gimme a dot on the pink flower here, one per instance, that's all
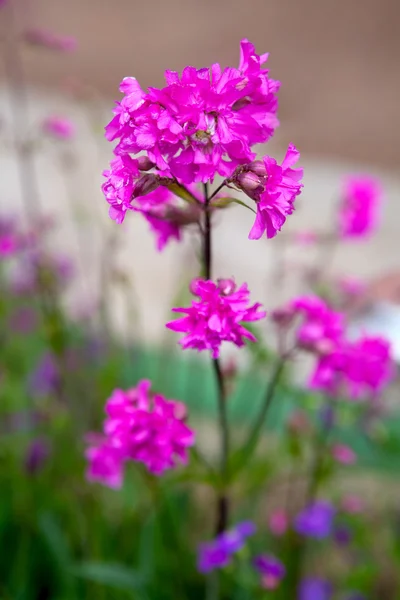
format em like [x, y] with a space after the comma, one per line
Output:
[202, 122]
[306, 238]
[59, 127]
[217, 316]
[274, 188]
[344, 454]
[352, 505]
[321, 327]
[358, 369]
[361, 197]
[105, 464]
[50, 40]
[141, 427]
[352, 286]
[8, 244]
[278, 522]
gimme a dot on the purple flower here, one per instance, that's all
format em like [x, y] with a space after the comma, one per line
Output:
[271, 570]
[342, 535]
[316, 520]
[217, 316]
[315, 589]
[36, 456]
[217, 554]
[45, 378]
[142, 427]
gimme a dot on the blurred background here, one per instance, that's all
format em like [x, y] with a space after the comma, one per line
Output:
[338, 64]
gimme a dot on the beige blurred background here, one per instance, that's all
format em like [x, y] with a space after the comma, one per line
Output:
[339, 102]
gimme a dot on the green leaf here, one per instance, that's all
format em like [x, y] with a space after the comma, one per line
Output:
[113, 575]
[182, 192]
[225, 202]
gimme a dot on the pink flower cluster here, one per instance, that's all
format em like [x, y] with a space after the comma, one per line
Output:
[142, 427]
[202, 123]
[361, 197]
[357, 368]
[59, 127]
[217, 317]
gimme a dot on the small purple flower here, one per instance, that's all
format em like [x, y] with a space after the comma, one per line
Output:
[36, 456]
[217, 554]
[271, 570]
[342, 535]
[315, 589]
[45, 378]
[315, 520]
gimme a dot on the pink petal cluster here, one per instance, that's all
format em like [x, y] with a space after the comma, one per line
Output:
[217, 316]
[202, 122]
[344, 454]
[142, 427]
[52, 41]
[273, 187]
[321, 328]
[59, 127]
[278, 522]
[358, 212]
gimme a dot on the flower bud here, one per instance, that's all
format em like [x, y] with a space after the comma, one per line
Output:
[226, 286]
[258, 167]
[146, 184]
[144, 163]
[249, 181]
[282, 316]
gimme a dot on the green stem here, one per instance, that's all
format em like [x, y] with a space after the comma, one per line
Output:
[222, 499]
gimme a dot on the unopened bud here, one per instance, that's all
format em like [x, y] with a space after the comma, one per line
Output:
[144, 163]
[282, 316]
[226, 286]
[146, 184]
[258, 167]
[249, 181]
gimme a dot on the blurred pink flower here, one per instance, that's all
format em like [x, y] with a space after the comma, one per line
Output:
[217, 316]
[306, 238]
[142, 427]
[344, 454]
[59, 127]
[352, 286]
[358, 212]
[50, 40]
[352, 504]
[278, 522]
[9, 244]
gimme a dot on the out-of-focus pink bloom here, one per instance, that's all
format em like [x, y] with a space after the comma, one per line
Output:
[273, 187]
[217, 316]
[321, 327]
[202, 122]
[105, 464]
[344, 454]
[50, 40]
[23, 320]
[352, 286]
[9, 244]
[359, 369]
[358, 212]
[306, 238]
[278, 522]
[352, 505]
[141, 427]
[59, 127]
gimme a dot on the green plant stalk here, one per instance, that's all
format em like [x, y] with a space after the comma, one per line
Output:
[222, 498]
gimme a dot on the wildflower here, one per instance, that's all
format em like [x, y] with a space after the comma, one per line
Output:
[278, 522]
[45, 378]
[352, 505]
[217, 316]
[342, 535]
[315, 589]
[344, 454]
[218, 553]
[321, 327]
[8, 245]
[202, 122]
[316, 520]
[271, 570]
[59, 127]
[36, 456]
[274, 189]
[141, 427]
[352, 286]
[361, 197]
[48, 39]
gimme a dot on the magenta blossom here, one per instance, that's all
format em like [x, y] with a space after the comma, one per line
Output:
[361, 197]
[344, 454]
[320, 327]
[59, 127]
[142, 427]
[273, 187]
[202, 122]
[278, 522]
[9, 244]
[217, 316]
